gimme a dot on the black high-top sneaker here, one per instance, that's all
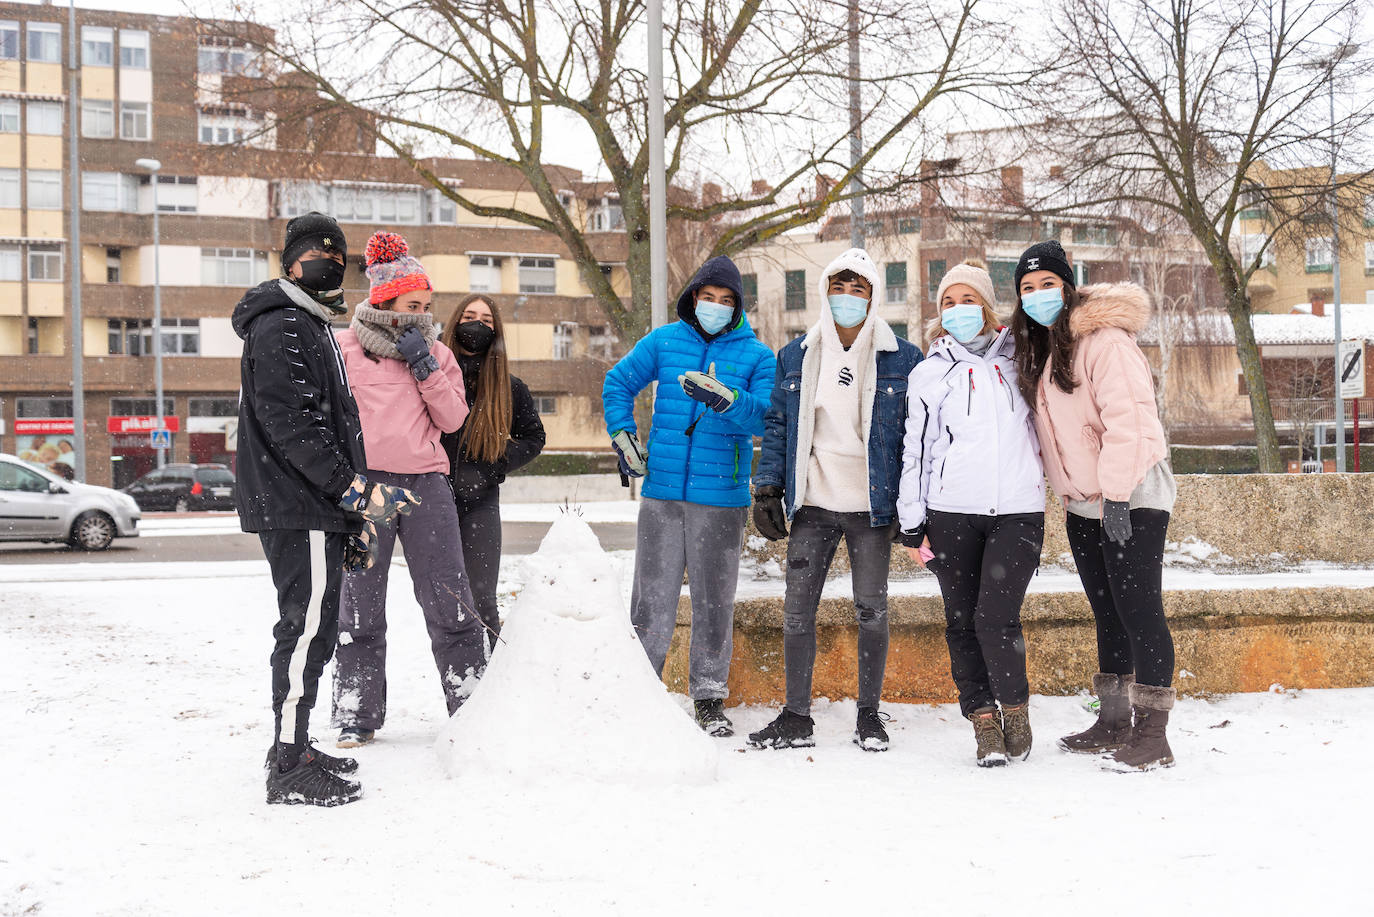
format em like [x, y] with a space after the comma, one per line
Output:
[309, 784]
[789, 730]
[869, 733]
[712, 719]
[334, 764]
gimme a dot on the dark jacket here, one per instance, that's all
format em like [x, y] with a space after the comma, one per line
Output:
[470, 476]
[299, 442]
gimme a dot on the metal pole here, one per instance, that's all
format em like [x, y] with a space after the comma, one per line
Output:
[1336, 272]
[658, 205]
[74, 251]
[157, 324]
[856, 143]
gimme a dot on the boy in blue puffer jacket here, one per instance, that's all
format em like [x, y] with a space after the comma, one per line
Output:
[714, 382]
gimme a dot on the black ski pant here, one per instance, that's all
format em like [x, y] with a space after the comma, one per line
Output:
[983, 565]
[479, 520]
[1123, 583]
[307, 569]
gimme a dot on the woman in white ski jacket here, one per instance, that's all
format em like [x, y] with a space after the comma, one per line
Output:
[972, 505]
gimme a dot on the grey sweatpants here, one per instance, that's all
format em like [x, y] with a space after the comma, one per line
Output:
[704, 541]
[811, 547]
[434, 555]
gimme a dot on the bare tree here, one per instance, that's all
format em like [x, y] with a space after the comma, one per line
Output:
[1197, 106]
[753, 87]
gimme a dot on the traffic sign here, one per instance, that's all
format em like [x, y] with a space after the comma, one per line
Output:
[1351, 370]
[160, 439]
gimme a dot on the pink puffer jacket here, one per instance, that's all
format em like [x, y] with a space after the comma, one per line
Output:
[1098, 441]
[402, 419]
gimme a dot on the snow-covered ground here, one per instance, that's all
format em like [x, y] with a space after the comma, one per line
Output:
[136, 707]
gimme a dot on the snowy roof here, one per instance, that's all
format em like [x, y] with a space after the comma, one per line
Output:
[1357, 322]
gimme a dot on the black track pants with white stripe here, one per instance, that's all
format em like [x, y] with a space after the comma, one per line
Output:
[307, 569]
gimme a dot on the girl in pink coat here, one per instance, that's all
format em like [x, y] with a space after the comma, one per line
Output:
[409, 390]
[1104, 452]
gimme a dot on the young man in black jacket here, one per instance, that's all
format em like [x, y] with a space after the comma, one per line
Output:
[300, 447]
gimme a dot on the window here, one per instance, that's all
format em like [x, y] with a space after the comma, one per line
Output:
[1319, 255]
[45, 189]
[563, 340]
[537, 275]
[213, 407]
[45, 42]
[1093, 235]
[794, 290]
[546, 404]
[97, 46]
[130, 336]
[484, 274]
[899, 329]
[114, 265]
[45, 263]
[133, 121]
[1013, 232]
[1252, 202]
[366, 205]
[10, 264]
[139, 407]
[227, 61]
[442, 209]
[608, 216]
[1003, 274]
[352, 204]
[45, 118]
[180, 337]
[1369, 257]
[175, 193]
[231, 267]
[9, 188]
[9, 116]
[133, 49]
[894, 278]
[1251, 244]
[299, 197]
[9, 40]
[97, 118]
[109, 191]
[935, 272]
[749, 286]
[18, 478]
[221, 127]
[907, 226]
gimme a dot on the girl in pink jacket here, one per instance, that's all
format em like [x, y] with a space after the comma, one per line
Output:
[1105, 455]
[409, 390]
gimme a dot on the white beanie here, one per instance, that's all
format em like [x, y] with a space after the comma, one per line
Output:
[972, 274]
[856, 260]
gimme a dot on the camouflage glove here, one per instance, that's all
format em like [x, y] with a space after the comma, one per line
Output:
[379, 503]
[360, 551]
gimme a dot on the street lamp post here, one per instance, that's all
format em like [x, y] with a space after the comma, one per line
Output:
[152, 166]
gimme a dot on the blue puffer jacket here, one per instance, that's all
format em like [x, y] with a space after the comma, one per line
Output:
[711, 466]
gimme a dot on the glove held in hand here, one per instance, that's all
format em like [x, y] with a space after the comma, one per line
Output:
[378, 503]
[707, 389]
[769, 516]
[1116, 521]
[634, 460]
[413, 348]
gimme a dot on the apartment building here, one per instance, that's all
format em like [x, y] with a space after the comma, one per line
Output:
[233, 171]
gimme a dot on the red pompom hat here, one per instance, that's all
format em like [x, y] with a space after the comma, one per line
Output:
[390, 268]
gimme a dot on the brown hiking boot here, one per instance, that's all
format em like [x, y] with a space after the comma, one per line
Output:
[1113, 727]
[1016, 730]
[987, 730]
[1148, 747]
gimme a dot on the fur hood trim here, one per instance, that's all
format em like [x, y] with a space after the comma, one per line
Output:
[1110, 305]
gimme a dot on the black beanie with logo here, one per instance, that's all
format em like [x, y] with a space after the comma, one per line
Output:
[1045, 256]
[312, 230]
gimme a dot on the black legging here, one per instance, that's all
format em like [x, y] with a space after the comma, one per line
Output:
[1123, 587]
[479, 520]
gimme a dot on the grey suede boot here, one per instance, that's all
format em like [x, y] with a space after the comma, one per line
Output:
[1113, 727]
[987, 731]
[1016, 730]
[1149, 746]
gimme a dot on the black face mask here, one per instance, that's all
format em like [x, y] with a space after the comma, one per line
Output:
[323, 275]
[474, 336]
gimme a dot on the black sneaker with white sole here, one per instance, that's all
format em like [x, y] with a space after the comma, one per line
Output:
[869, 733]
[335, 764]
[712, 719]
[788, 730]
[309, 784]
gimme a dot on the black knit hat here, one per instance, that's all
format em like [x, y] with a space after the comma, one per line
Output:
[1045, 256]
[312, 230]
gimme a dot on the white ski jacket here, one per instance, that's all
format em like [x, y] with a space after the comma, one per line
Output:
[970, 444]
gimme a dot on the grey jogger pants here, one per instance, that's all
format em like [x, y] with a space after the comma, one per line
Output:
[434, 555]
[675, 536]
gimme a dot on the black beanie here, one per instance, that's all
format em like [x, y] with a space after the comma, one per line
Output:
[1045, 256]
[311, 230]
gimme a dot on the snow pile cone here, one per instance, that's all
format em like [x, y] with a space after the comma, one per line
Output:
[569, 691]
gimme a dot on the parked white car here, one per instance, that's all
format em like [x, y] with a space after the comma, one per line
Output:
[37, 505]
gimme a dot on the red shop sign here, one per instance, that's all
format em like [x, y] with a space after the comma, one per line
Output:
[31, 426]
[141, 424]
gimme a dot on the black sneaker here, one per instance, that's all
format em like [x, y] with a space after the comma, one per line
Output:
[334, 764]
[712, 719]
[353, 736]
[309, 784]
[789, 730]
[869, 733]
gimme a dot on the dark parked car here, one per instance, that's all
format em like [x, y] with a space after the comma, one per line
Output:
[184, 488]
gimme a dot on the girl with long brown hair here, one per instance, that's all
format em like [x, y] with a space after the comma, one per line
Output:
[503, 432]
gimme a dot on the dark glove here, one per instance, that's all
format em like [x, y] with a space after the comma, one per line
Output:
[769, 517]
[707, 389]
[360, 551]
[634, 460]
[379, 503]
[413, 348]
[1116, 521]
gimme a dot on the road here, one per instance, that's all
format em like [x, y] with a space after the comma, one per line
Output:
[517, 537]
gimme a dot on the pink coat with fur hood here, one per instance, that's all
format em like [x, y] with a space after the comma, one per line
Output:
[1099, 440]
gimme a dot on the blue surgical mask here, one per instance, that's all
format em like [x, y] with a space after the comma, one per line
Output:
[964, 322]
[712, 316]
[848, 310]
[1043, 306]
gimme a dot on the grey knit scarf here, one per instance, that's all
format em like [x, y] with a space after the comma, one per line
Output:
[378, 329]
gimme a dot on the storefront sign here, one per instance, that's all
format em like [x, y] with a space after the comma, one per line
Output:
[32, 426]
[141, 424]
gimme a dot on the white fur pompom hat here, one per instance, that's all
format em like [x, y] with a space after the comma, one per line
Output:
[858, 261]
